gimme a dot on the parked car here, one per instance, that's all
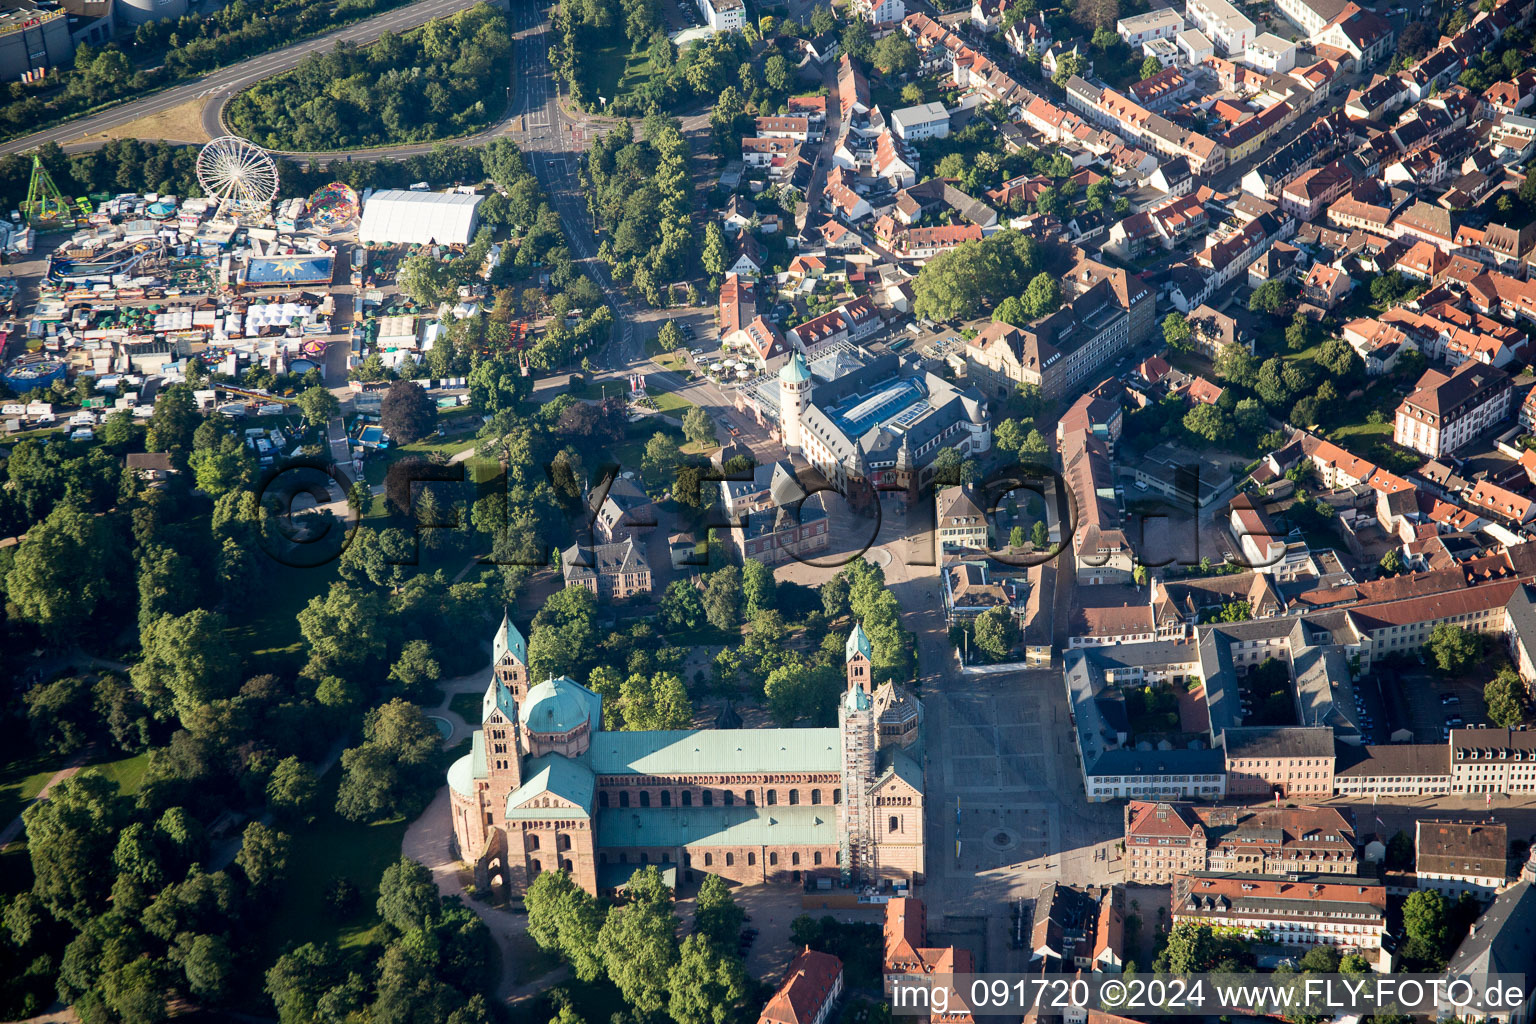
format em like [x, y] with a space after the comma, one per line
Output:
[1449, 698]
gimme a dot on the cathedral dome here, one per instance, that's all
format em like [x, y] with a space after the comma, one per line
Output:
[558, 706]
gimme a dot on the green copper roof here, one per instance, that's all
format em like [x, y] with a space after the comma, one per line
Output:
[477, 754]
[461, 776]
[795, 371]
[560, 705]
[906, 768]
[718, 826]
[509, 639]
[695, 751]
[855, 699]
[858, 643]
[557, 776]
[498, 696]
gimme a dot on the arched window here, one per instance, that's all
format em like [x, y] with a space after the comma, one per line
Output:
[773, 860]
[562, 842]
[815, 796]
[773, 797]
[709, 798]
[895, 824]
[730, 798]
[794, 797]
[666, 798]
[751, 859]
[602, 799]
[687, 798]
[533, 842]
[602, 857]
[565, 865]
[534, 867]
[623, 858]
[751, 798]
[837, 796]
[709, 859]
[730, 860]
[645, 798]
[623, 798]
[816, 857]
[645, 858]
[794, 859]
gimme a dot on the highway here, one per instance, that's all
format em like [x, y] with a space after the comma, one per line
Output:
[227, 81]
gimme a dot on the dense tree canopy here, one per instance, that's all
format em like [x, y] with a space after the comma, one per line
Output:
[960, 283]
[437, 81]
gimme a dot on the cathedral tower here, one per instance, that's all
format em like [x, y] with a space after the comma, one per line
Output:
[502, 748]
[509, 659]
[856, 722]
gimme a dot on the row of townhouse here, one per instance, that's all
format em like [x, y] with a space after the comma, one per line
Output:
[1133, 121]
[1167, 838]
[973, 71]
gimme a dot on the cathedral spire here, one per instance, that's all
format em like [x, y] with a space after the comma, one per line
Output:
[858, 657]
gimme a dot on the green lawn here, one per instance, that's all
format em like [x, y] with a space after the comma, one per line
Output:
[329, 848]
[666, 401]
[127, 772]
[603, 63]
[631, 451]
[379, 462]
[668, 360]
[20, 782]
[466, 706]
[1364, 431]
[267, 638]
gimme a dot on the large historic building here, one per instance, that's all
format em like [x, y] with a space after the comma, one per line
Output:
[878, 419]
[545, 787]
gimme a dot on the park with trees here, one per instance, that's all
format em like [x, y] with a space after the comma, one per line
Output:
[435, 82]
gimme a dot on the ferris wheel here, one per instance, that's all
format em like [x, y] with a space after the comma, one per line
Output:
[237, 172]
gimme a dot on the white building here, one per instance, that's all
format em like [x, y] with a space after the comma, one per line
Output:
[724, 15]
[1262, 544]
[1348, 914]
[1268, 52]
[923, 121]
[1445, 411]
[400, 217]
[1310, 15]
[880, 12]
[1195, 45]
[1222, 23]
[1141, 28]
[1167, 53]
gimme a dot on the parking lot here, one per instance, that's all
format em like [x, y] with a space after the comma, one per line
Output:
[680, 15]
[1396, 701]
[1432, 700]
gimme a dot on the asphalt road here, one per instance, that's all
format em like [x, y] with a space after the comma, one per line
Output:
[226, 82]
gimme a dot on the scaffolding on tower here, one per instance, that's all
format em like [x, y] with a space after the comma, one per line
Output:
[858, 773]
[46, 209]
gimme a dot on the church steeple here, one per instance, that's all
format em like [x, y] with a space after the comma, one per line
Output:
[509, 659]
[858, 657]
